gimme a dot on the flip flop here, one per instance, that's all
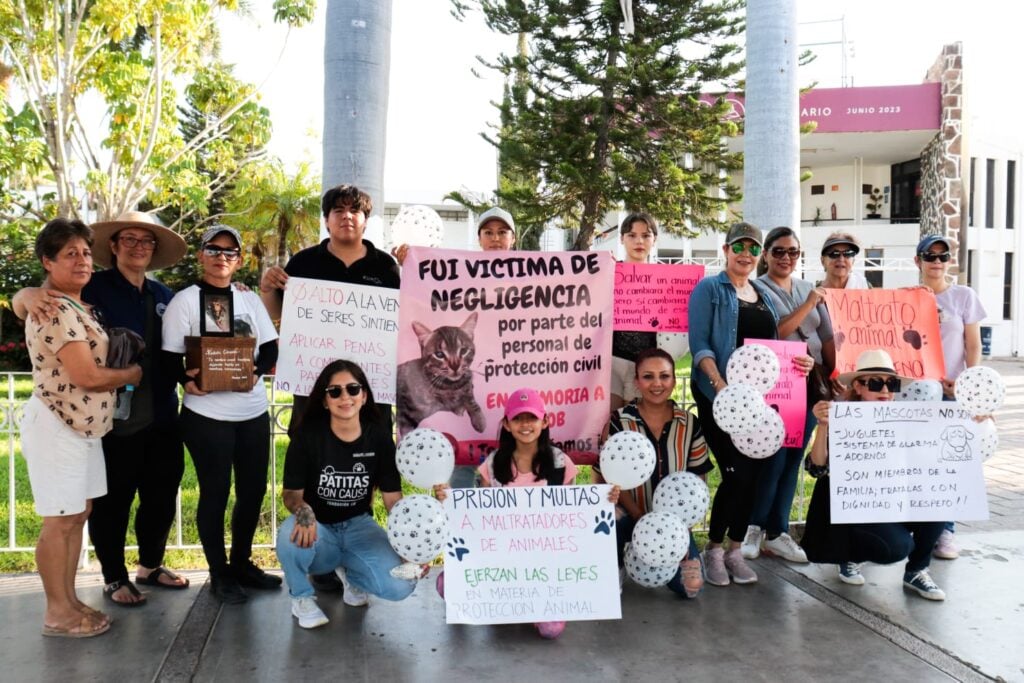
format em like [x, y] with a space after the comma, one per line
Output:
[85, 629]
[111, 588]
[154, 579]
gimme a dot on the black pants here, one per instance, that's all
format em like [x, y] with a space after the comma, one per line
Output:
[149, 462]
[216, 448]
[890, 542]
[734, 499]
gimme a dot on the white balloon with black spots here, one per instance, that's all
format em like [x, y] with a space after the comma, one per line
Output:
[738, 409]
[753, 364]
[676, 344]
[425, 458]
[684, 495]
[417, 225]
[988, 438]
[921, 390]
[644, 574]
[417, 528]
[660, 539]
[764, 441]
[980, 390]
[627, 459]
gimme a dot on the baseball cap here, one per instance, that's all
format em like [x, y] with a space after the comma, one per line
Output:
[496, 213]
[524, 401]
[928, 240]
[220, 230]
[744, 231]
[829, 243]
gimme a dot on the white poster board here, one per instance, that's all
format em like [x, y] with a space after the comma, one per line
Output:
[530, 554]
[322, 321]
[905, 461]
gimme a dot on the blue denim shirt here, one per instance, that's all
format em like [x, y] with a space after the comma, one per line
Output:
[714, 315]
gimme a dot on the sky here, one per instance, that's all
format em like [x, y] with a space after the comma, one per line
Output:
[438, 107]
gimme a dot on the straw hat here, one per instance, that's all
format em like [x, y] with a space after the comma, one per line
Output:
[170, 247]
[875, 362]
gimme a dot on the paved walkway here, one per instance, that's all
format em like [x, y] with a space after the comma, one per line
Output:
[796, 623]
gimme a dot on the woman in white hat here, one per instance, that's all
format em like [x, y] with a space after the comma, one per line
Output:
[123, 296]
[850, 545]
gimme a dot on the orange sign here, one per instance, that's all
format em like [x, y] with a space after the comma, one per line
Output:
[903, 322]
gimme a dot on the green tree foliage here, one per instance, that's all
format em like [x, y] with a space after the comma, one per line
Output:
[597, 119]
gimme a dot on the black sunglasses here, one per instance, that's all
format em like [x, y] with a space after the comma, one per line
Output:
[352, 389]
[792, 252]
[931, 258]
[846, 253]
[893, 384]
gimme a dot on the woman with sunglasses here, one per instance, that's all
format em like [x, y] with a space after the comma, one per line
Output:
[802, 318]
[850, 545]
[725, 310]
[837, 255]
[960, 315]
[338, 455]
[225, 430]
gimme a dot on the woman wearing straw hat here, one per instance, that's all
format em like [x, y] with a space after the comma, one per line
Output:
[850, 545]
[124, 296]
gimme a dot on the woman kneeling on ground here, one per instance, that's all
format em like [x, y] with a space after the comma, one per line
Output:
[850, 545]
[338, 455]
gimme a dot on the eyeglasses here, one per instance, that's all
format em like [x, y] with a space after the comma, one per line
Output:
[147, 243]
[228, 253]
[932, 258]
[352, 389]
[845, 253]
[740, 247]
[893, 384]
[792, 252]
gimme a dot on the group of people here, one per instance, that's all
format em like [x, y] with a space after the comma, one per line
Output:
[342, 446]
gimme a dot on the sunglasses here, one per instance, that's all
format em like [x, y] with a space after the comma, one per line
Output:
[228, 253]
[792, 252]
[845, 253]
[352, 389]
[893, 384]
[132, 242]
[931, 258]
[740, 247]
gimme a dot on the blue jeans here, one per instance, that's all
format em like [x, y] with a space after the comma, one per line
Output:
[776, 485]
[358, 544]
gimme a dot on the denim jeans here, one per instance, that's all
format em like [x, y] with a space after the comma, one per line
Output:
[776, 485]
[358, 544]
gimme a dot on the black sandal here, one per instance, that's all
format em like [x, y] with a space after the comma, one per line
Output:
[111, 588]
[154, 580]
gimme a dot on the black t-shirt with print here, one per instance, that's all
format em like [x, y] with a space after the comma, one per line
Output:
[338, 477]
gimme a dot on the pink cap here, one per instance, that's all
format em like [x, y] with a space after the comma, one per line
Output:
[524, 401]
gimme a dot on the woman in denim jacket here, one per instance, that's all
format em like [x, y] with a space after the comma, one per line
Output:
[726, 309]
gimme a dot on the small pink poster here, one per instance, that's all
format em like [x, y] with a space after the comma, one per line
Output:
[654, 297]
[789, 395]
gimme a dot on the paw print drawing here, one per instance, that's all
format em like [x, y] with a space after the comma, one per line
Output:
[653, 322]
[457, 548]
[915, 339]
[604, 521]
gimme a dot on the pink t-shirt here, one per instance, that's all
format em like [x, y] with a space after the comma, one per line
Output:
[958, 306]
[486, 471]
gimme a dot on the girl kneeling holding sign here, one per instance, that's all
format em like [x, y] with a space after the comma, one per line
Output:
[849, 545]
[526, 457]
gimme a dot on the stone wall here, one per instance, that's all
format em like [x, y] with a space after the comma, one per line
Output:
[941, 160]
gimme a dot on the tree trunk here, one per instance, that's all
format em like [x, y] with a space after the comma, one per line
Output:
[771, 140]
[357, 56]
[283, 228]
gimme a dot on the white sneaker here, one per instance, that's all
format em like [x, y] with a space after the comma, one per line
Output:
[352, 596]
[785, 547]
[308, 612]
[849, 572]
[751, 547]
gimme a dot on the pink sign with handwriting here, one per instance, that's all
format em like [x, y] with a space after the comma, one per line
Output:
[789, 395]
[654, 297]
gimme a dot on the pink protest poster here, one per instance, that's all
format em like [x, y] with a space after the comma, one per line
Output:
[475, 326]
[789, 395]
[654, 297]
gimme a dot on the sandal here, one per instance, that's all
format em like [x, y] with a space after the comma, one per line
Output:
[154, 579]
[111, 588]
[86, 628]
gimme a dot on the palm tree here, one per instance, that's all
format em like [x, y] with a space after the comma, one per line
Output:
[357, 61]
[771, 139]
